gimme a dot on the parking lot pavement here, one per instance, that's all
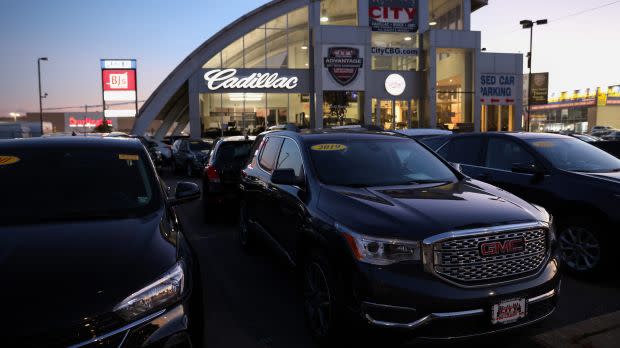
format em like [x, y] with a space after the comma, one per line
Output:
[250, 300]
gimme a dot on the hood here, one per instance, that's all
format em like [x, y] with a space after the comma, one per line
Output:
[56, 275]
[418, 212]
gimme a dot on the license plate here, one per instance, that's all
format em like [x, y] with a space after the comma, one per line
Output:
[508, 312]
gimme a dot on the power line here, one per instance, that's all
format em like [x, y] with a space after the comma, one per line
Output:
[584, 11]
[90, 106]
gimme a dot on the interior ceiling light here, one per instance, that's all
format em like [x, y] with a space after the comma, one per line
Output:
[304, 47]
[432, 23]
[324, 17]
[245, 96]
[408, 38]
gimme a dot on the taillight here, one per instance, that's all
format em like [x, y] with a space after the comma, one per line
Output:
[212, 174]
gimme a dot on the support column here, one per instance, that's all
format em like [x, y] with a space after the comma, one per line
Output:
[172, 116]
[195, 123]
[182, 123]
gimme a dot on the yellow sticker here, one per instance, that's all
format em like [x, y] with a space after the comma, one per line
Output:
[128, 157]
[329, 147]
[544, 144]
[6, 160]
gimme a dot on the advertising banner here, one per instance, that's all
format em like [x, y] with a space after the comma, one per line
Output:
[119, 84]
[343, 68]
[613, 95]
[393, 16]
[498, 89]
[539, 89]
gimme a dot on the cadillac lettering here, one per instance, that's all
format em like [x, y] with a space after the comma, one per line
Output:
[227, 79]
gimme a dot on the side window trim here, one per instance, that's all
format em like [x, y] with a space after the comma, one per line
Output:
[267, 140]
[301, 157]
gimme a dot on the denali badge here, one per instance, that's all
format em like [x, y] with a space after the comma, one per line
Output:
[227, 79]
[343, 64]
[502, 247]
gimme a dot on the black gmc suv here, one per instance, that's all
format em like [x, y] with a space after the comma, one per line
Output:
[384, 230]
[576, 182]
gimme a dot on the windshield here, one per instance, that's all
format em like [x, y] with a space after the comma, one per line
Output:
[575, 155]
[386, 162]
[58, 184]
[200, 146]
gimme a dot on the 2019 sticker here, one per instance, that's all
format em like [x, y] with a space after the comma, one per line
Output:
[8, 160]
[329, 147]
[128, 157]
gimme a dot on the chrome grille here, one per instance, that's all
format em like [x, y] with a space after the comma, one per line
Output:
[460, 260]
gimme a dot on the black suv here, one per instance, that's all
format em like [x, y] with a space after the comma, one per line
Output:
[91, 250]
[222, 175]
[578, 183]
[383, 229]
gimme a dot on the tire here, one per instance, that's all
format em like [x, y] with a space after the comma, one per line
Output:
[245, 234]
[324, 313]
[583, 248]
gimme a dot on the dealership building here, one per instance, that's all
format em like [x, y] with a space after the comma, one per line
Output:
[396, 64]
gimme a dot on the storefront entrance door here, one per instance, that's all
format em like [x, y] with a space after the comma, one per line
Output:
[497, 118]
[394, 114]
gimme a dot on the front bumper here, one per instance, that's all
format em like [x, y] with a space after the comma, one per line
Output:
[165, 328]
[432, 308]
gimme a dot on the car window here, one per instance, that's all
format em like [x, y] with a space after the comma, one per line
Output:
[575, 155]
[79, 184]
[233, 152]
[367, 163]
[200, 146]
[290, 157]
[466, 151]
[503, 154]
[270, 153]
[434, 142]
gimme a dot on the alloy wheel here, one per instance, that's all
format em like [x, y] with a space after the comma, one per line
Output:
[581, 250]
[317, 299]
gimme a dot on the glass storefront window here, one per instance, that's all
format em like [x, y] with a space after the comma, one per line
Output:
[415, 117]
[374, 111]
[446, 14]
[235, 113]
[232, 56]
[254, 48]
[339, 12]
[342, 108]
[281, 43]
[387, 114]
[401, 114]
[395, 51]
[497, 118]
[454, 88]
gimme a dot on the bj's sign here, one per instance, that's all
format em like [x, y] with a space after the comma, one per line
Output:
[394, 16]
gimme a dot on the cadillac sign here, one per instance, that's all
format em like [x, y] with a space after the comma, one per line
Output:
[343, 64]
[228, 79]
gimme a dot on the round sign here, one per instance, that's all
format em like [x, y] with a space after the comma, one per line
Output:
[395, 84]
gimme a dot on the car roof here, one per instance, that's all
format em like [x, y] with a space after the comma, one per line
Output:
[337, 134]
[71, 141]
[237, 138]
[519, 135]
[423, 131]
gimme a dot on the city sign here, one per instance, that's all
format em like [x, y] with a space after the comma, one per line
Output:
[395, 84]
[498, 89]
[538, 93]
[228, 79]
[395, 16]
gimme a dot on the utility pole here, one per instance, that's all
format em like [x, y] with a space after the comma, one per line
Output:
[40, 94]
[529, 24]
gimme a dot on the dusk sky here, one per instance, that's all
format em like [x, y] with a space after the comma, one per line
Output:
[579, 51]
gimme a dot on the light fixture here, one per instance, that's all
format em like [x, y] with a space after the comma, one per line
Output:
[304, 47]
[245, 97]
[324, 17]
[408, 38]
[432, 23]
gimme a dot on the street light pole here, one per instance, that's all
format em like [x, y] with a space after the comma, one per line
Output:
[40, 94]
[529, 24]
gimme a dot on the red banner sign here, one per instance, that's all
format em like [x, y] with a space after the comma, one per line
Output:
[119, 80]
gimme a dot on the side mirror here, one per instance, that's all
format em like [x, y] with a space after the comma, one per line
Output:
[526, 168]
[286, 177]
[185, 192]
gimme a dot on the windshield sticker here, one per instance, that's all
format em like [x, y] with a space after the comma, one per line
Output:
[8, 160]
[329, 147]
[128, 157]
[545, 144]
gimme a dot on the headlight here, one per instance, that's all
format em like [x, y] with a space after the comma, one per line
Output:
[380, 251]
[164, 291]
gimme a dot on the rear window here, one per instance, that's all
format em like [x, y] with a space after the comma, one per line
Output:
[58, 184]
[237, 151]
[200, 146]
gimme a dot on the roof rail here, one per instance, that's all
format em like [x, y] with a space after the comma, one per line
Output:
[368, 127]
[285, 127]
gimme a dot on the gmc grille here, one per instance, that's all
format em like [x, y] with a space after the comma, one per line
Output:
[460, 260]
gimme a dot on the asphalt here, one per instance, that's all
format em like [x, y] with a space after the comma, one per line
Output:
[251, 300]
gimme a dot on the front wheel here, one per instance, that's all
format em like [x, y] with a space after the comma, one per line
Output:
[582, 248]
